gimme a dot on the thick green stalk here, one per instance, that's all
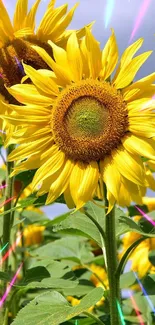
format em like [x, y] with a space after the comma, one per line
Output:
[7, 207]
[111, 255]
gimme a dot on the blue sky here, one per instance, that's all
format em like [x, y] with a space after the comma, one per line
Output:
[123, 19]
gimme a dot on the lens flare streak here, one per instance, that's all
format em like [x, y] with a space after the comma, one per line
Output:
[8, 200]
[2, 300]
[2, 249]
[10, 249]
[145, 215]
[140, 17]
[108, 11]
[136, 309]
[145, 293]
[120, 313]
[3, 186]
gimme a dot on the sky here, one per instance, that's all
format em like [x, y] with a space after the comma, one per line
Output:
[122, 16]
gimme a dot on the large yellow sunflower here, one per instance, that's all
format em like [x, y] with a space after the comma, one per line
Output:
[16, 38]
[81, 128]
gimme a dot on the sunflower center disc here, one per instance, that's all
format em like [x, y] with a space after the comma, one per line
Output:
[86, 118]
[89, 120]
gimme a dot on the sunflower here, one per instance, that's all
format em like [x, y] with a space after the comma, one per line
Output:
[16, 38]
[139, 258]
[82, 128]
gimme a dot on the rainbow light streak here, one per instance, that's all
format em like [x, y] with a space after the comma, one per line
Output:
[108, 11]
[141, 15]
[20, 66]
[136, 309]
[10, 249]
[3, 186]
[120, 313]
[145, 294]
[8, 200]
[2, 249]
[2, 300]
[145, 215]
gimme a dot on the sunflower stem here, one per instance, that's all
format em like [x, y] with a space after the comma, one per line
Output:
[111, 255]
[7, 216]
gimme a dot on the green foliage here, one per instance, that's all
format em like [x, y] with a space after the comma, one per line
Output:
[152, 257]
[53, 308]
[25, 177]
[71, 248]
[127, 279]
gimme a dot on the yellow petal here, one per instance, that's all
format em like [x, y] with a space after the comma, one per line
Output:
[5, 19]
[111, 201]
[127, 74]
[28, 94]
[133, 190]
[32, 162]
[142, 128]
[83, 182]
[138, 87]
[138, 145]
[62, 72]
[111, 176]
[68, 198]
[50, 18]
[25, 31]
[124, 197]
[74, 57]
[150, 179]
[50, 167]
[109, 56]
[45, 85]
[130, 166]
[151, 164]
[61, 183]
[25, 150]
[62, 24]
[20, 14]
[94, 55]
[30, 19]
[128, 55]
[83, 49]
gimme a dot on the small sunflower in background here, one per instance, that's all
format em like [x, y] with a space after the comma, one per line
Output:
[99, 279]
[16, 38]
[139, 258]
[82, 127]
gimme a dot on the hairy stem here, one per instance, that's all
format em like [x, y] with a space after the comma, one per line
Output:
[111, 255]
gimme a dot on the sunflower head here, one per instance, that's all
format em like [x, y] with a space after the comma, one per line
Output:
[84, 127]
[16, 39]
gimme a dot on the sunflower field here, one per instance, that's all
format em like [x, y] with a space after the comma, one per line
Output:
[77, 163]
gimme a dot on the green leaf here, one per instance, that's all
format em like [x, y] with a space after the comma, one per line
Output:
[80, 221]
[152, 257]
[2, 175]
[134, 212]
[127, 279]
[80, 290]
[72, 248]
[4, 276]
[60, 276]
[41, 200]
[52, 308]
[23, 204]
[33, 216]
[37, 273]
[25, 177]
[133, 226]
